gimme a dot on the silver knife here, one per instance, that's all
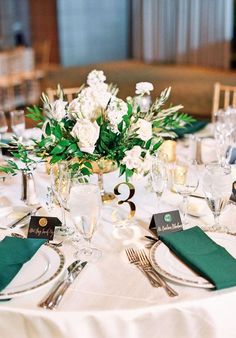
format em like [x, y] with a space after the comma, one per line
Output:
[44, 303]
[71, 278]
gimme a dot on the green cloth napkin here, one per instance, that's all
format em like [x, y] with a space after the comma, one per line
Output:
[191, 128]
[203, 255]
[14, 252]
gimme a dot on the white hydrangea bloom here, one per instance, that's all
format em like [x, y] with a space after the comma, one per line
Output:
[87, 134]
[116, 110]
[57, 109]
[143, 88]
[96, 78]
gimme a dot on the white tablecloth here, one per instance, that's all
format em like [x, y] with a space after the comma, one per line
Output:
[111, 298]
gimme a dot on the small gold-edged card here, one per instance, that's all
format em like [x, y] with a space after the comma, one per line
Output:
[43, 227]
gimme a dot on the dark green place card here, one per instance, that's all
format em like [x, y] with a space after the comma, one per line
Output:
[43, 227]
[166, 222]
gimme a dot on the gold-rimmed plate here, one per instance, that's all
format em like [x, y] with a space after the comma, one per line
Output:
[171, 267]
[44, 267]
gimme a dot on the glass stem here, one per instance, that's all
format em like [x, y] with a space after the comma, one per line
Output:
[216, 220]
[158, 200]
[88, 250]
[63, 217]
[185, 204]
[100, 184]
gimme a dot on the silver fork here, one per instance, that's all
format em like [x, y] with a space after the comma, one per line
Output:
[133, 259]
[147, 265]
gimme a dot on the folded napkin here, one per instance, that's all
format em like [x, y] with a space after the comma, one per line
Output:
[203, 255]
[191, 128]
[14, 252]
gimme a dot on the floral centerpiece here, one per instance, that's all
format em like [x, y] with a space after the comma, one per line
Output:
[97, 125]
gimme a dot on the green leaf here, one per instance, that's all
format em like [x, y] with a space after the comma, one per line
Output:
[55, 159]
[122, 169]
[72, 148]
[128, 174]
[85, 171]
[99, 120]
[64, 143]
[148, 144]
[58, 149]
[48, 129]
[157, 145]
[88, 165]
[129, 112]
[57, 131]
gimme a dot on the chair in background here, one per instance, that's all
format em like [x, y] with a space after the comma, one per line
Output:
[42, 55]
[69, 93]
[223, 97]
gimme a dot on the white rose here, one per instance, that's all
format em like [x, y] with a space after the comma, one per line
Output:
[87, 133]
[144, 129]
[143, 88]
[132, 160]
[58, 110]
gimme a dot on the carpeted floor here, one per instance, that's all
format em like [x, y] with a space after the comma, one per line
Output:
[191, 86]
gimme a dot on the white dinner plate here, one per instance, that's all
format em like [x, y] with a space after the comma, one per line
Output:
[43, 268]
[172, 268]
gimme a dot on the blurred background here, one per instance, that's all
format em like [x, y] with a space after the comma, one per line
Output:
[186, 44]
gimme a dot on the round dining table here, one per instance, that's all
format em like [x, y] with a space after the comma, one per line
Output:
[111, 298]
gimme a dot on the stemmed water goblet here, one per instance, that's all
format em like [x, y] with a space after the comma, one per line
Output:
[60, 184]
[85, 206]
[159, 176]
[17, 122]
[217, 187]
[185, 180]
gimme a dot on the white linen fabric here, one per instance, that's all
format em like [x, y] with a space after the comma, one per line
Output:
[111, 298]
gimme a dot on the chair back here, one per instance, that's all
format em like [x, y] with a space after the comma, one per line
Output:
[69, 93]
[223, 97]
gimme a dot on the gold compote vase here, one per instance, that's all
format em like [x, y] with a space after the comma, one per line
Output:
[100, 167]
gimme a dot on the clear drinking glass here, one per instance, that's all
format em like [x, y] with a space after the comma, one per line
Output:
[159, 177]
[185, 180]
[85, 206]
[3, 128]
[18, 122]
[60, 184]
[217, 187]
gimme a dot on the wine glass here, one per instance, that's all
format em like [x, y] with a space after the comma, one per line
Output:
[159, 177]
[3, 128]
[217, 187]
[85, 206]
[60, 184]
[18, 122]
[185, 181]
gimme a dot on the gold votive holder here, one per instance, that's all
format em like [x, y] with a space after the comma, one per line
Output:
[168, 149]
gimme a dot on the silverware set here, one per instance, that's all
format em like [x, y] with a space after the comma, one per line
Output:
[54, 298]
[140, 259]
